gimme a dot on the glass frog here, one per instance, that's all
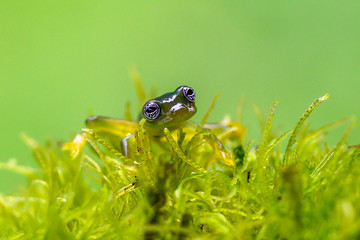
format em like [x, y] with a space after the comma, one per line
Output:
[171, 111]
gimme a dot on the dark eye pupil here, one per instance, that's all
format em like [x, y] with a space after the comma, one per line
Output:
[150, 109]
[189, 93]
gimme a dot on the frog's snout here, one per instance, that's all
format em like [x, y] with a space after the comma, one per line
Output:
[182, 110]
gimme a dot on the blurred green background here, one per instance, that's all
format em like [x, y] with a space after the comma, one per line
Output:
[58, 59]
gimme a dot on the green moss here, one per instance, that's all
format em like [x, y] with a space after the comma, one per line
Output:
[309, 191]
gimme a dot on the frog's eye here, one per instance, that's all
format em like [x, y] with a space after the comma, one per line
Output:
[151, 110]
[189, 93]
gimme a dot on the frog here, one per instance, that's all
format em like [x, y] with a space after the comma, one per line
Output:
[170, 111]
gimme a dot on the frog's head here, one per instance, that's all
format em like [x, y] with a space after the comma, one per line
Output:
[170, 109]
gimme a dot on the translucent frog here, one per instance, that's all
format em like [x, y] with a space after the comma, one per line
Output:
[169, 111]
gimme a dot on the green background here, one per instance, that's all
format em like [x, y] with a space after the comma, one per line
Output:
[60, 59]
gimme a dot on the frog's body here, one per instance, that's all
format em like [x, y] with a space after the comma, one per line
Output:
[170, 110]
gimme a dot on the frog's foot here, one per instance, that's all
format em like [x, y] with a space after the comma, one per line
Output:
[219, 148]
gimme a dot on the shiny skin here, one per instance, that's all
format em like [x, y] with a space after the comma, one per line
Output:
[175, 109]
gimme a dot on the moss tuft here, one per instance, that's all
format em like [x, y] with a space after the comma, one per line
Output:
[187, 185]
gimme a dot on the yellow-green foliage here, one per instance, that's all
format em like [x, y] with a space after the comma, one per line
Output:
[308, 191]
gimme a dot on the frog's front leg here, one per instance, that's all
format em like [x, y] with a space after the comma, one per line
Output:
[125, 145]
